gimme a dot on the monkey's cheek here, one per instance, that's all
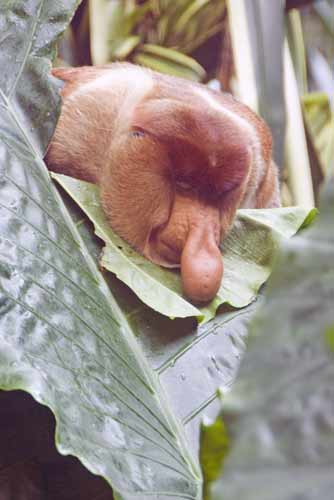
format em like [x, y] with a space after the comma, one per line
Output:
[201, 274]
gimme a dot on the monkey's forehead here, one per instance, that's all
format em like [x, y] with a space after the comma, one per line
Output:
[201, 122]
[168, 106]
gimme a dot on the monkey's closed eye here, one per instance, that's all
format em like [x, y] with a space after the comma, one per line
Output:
[230, 186]
[185, 186]
[137, 133]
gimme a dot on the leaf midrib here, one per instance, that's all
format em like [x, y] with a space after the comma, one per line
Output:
[27, 52]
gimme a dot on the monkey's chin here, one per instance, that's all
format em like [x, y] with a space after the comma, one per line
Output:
[153, 253]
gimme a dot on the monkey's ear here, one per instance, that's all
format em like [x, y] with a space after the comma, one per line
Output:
[65, 74]
[75, 77]
[82, 73]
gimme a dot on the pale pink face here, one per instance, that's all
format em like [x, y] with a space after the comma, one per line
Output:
[170, 186]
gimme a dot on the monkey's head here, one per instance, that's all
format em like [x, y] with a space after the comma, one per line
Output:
[173, 160]
[171, 180]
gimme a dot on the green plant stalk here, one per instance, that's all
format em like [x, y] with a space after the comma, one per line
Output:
[246, 89]
[296, 154]
[99, 30]
[297, 47]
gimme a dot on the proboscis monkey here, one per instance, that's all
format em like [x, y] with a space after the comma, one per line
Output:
[174, 161]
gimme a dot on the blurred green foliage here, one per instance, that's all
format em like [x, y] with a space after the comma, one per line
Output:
[159, 34]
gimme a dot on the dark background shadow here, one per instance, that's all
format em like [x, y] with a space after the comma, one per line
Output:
[30, 466]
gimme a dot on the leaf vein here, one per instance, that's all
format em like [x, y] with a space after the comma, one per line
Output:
[27, 52]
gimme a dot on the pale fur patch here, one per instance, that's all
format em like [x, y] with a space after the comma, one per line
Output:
[132, 81]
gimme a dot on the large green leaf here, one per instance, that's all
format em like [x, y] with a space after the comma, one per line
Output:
[248, 254]
[103, 367]
[279, 414]
[63, 338]
[173, 348]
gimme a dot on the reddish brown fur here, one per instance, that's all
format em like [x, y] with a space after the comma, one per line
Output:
[173, 164]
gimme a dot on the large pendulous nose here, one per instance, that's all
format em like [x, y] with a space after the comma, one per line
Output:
[201, 264]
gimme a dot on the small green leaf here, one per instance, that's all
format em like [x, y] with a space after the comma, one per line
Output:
[189, 12]
[213, 449]
[165, 66]
[135, 16]
[329, 338]
[174, 56]
[169, 61]
[122, 47]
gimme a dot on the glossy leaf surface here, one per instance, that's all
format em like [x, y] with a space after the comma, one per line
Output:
[63, 337]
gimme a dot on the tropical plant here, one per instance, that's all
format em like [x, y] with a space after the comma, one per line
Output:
[161, 35]
[128, 387]
[76, 345]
